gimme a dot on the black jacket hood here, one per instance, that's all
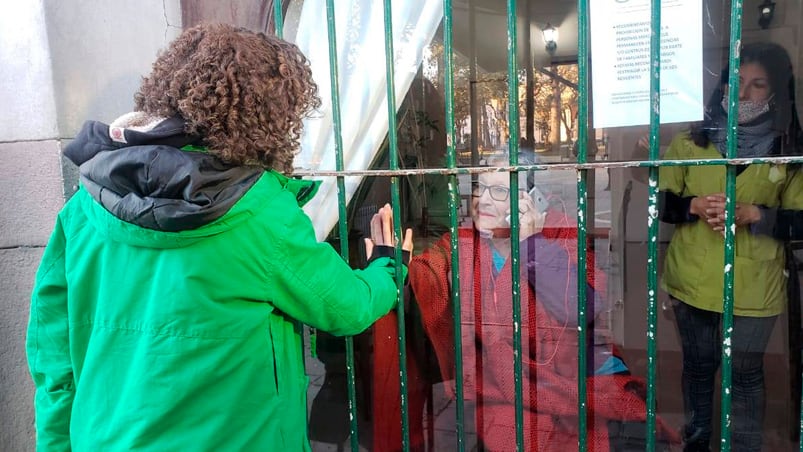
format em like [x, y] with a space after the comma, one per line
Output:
[136, 169]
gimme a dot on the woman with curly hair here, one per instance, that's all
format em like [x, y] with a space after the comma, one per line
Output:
[165, 310]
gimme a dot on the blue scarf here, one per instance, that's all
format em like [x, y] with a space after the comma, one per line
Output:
[754, 139]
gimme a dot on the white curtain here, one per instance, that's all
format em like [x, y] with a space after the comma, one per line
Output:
[363, 90]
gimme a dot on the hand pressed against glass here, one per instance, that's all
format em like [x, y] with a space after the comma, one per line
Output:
[382, 232]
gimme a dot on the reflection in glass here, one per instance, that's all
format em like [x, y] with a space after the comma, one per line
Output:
[548, 277]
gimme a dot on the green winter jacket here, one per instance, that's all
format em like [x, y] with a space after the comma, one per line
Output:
[695, 259]
[142, 338]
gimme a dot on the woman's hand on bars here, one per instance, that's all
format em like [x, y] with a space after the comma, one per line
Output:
[382, 233]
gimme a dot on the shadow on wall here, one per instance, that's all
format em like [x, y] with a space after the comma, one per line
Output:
[104, 105]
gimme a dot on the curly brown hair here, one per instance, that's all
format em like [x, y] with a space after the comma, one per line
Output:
[245, 93]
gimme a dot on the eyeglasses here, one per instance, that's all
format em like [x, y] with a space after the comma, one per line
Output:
[497, 192]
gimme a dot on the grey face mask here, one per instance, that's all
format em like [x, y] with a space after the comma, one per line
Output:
[748, 109]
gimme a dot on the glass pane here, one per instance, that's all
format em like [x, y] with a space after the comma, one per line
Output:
[691, 258]
[616, 250]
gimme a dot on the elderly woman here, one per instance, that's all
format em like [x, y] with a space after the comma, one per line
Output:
[548, 280]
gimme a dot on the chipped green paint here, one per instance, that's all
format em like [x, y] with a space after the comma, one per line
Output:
[513, 146]
[394, 201]
[454, 202]
[343, 216]
[730, 227]
[652, 219]
[552, 167]
[582, 167]
[582, 215]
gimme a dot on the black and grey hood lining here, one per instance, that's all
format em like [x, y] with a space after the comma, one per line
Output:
[136, 169]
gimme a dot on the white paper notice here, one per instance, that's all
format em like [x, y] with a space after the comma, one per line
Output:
[620, 55]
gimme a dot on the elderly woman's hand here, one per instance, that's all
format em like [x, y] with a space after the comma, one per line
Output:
[531, 221]
[382, 232]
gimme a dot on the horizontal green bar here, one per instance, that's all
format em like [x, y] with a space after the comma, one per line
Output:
[549, 167]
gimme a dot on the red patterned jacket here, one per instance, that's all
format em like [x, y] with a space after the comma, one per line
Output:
[549, 345]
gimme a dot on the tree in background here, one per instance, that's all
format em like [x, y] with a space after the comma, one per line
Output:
[555, 100]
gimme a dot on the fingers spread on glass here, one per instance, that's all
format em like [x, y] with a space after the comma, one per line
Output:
[382, 233]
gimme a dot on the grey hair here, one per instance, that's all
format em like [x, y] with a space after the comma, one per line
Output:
[525, 157]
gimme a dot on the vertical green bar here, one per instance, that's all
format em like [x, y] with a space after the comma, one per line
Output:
[474, 116]
[730, 227]
[278, 19]
[341, 203]
[652, 219]
[582, 213]
[394, 193]
[513, 145]
[454, 202]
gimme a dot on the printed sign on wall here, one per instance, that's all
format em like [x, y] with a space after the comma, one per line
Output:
[620, 58]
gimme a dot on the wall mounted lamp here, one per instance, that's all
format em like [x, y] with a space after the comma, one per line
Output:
[765, 12]
[550, 37]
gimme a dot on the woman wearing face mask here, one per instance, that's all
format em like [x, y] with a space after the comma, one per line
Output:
[767, 197]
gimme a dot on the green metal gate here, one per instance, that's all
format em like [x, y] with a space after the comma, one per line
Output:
[582, 168]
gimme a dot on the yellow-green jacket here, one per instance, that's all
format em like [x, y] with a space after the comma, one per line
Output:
[695, 262]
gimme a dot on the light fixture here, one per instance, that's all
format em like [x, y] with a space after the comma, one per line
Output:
[550, 37]
[765, 12]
